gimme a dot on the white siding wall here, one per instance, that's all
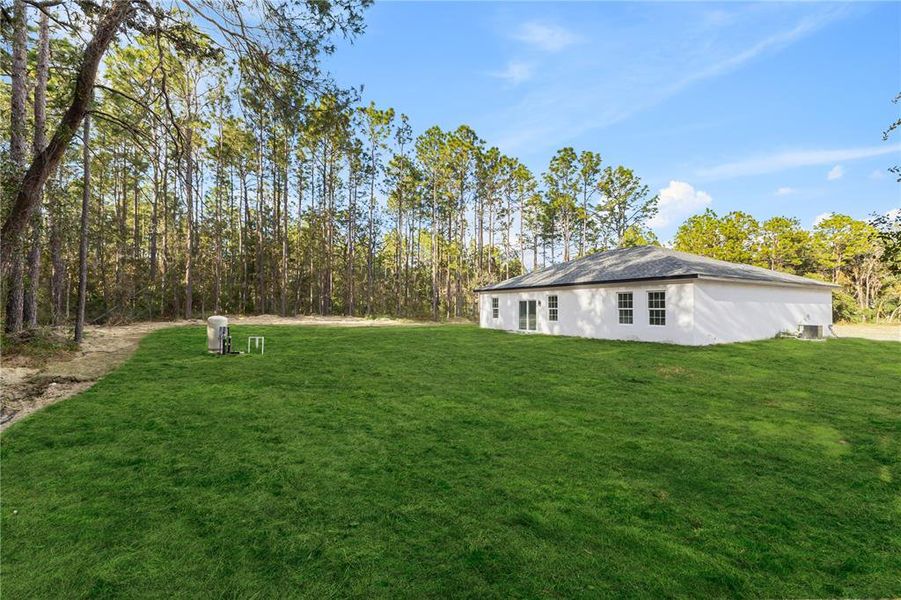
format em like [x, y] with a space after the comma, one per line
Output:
[735, 312]
[592, 312]
[697, 313]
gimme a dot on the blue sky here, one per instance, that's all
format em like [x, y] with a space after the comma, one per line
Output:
[767, 108]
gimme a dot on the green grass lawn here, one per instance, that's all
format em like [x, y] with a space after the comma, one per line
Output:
[458, 462]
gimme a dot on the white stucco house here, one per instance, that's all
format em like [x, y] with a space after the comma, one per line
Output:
[654, 294]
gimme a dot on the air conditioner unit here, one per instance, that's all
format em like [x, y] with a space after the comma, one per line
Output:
[811, 332]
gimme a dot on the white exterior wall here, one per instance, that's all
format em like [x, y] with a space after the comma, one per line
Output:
[698, 312]
[592, 312]
[737, 312]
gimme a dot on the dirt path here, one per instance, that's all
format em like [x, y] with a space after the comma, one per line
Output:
[26, 387]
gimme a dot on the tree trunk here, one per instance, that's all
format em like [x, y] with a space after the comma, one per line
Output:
[300, 187]
[189, 236]
[58, 266]
[522, 240]
[434, 251]
[83, 242]
[11, 239]
[284, 279]
[260, 304]
[217, 233]
[243, 220]
[398, 249]
[40, 122]
[154, 209]
[351, 224]
[371, 240]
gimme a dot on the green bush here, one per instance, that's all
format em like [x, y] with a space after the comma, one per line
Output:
[844, 307]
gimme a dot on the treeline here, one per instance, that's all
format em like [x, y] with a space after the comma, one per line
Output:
[210, 191]
[864, 257]
[221, 171]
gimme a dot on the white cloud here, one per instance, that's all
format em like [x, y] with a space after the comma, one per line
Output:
[785, 191]
[678, 199]
[821, 217]
[514, 73]
[878, 174]
[546, 36]
[835, 172]
[782, 161]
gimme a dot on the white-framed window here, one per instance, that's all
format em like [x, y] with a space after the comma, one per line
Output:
[624, 306]
[657, 308]
[552, 308]
[495, 308]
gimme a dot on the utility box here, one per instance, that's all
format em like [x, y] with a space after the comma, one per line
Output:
[215, 326]
[811, 332]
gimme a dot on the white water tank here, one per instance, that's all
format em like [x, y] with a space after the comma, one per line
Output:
[212, 332]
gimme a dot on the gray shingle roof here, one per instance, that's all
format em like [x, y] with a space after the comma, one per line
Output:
[645, 263]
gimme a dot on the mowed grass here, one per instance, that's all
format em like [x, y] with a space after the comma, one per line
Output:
[458, 462]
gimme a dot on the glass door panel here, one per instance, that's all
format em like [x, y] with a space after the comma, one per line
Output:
[523, 314]
[533, 316]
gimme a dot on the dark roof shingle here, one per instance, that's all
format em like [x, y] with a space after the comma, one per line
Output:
[644, 263]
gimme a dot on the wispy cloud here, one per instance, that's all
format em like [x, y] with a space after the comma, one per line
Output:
[878, 174]
[781, 161]
[677, 200]
[514, 73]
[585, 91]
[548, 37]
[771, 43]
[785, 191]
[834, 173]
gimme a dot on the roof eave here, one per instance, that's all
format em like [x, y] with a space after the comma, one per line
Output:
[585, 283]
[812, 283]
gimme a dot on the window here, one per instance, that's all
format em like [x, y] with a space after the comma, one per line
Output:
[495, 310]
[552, 308]
[624, 306]
[657, 308]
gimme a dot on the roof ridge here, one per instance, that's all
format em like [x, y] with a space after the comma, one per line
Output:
[643, 263]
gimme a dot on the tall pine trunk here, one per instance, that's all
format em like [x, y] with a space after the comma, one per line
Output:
[434, 251]
[83, 240]
[58, 265]
[189, 235]
[284, 226]
[40, 122]
[14, 247]
[370, 250]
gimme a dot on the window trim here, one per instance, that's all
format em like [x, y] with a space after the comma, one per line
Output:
[553, 312]
[495, 307]
[651, 310]
[631, 309]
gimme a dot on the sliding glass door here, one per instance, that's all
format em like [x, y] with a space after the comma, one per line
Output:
[528, 318]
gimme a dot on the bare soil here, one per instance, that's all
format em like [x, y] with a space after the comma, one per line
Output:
[27, 385]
